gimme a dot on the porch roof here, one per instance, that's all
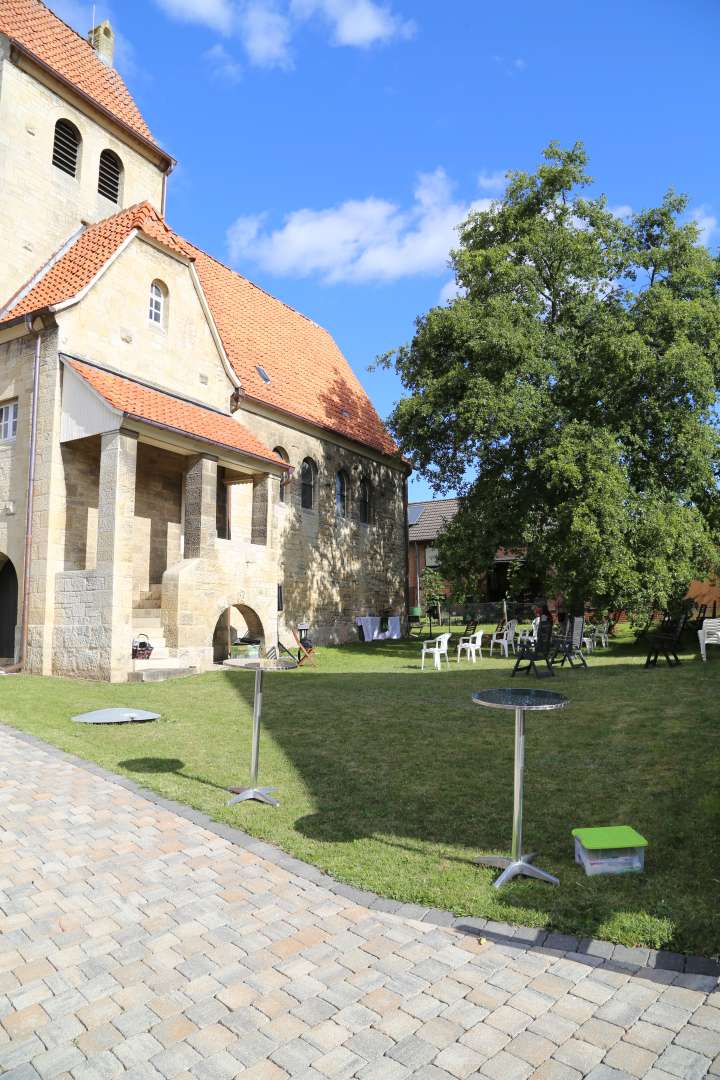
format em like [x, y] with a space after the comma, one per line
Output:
[138, 401]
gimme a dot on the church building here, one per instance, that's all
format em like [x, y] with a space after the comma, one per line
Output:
[181, 454]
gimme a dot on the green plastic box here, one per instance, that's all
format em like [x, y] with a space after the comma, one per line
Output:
[615, 849]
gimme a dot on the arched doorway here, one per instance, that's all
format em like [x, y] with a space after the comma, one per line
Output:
[8, 607]
[234, 624]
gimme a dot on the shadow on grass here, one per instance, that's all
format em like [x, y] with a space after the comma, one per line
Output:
[164, 767]
[408, 761]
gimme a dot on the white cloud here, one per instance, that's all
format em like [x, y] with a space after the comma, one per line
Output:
[217, 14]
[623, 211]
[496, 181]
[706, 222]
[266, 34]
[355, 22]
[266, 27]
[360, 240]
[223, 64]
[450, 291]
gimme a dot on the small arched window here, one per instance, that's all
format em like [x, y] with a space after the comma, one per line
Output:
[284, 482]
[308, 484]
[66, 147]
[110, 176]
[364, 502]
[157, 309]
[341, 493]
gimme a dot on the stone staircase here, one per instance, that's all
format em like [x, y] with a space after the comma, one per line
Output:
[147, 619]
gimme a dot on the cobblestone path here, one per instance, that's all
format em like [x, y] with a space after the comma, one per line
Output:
[136, 943]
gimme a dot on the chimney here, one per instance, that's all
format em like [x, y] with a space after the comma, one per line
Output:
[102, 40]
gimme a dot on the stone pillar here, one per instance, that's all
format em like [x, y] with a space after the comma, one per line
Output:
[260, 507]
[200, 506]
[116, 514]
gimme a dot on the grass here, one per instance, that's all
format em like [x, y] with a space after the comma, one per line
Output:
[393, 780]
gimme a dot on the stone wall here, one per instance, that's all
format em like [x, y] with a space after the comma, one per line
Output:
[80, 640]
[182, 356]
[81, 466]
[41, 205]
[157, 527]
[334, 568]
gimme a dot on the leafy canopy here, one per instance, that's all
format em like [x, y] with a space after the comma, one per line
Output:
[568, 393]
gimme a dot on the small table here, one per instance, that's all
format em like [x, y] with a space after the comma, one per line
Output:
[521, 701]
[260, 794]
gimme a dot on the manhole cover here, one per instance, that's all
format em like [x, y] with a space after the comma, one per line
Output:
[115, 716]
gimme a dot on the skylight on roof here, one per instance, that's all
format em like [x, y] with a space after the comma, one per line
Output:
[262, 373]
[414, 513]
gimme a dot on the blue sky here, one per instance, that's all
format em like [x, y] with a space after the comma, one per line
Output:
[327, 148]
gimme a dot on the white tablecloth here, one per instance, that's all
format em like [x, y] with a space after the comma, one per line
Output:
[371, 627]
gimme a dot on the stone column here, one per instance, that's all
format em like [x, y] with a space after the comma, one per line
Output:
[200, 506]
[260, 507]
[116, 515]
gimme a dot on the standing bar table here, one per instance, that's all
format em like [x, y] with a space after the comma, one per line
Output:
[260, 794]
[521, 701]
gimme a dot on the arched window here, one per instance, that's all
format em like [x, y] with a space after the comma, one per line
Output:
[157, 309]
[110, 176]
[364, 502]
[66, 147]
[308, 484]
[341, 490]
[284, 482]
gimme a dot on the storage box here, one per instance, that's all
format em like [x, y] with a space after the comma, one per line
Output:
[617, 849]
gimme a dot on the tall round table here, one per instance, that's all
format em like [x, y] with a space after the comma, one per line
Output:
[260, 794]
[521, 701]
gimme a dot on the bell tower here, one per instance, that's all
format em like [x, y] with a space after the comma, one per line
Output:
[74, 147]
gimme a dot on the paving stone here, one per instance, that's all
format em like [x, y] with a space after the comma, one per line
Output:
[412, 1052]
[678, 1061]
[507, 1019]
[532, 1048]
[701, 1040]
[630, 1058]
[505, 1066]
[555, 1070]
[649, 1036]
[600, 1033]
[459, 1060]
[667, 1016]
[191, 953]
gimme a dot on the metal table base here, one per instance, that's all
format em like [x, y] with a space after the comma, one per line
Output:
[254, 792]
[518, 864]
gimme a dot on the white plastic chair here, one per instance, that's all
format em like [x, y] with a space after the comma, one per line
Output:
[505, 638]
[529, 634]
[708, 634]
[471, 644]
[437, 648]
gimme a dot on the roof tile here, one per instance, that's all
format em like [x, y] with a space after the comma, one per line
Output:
[309, 376]
[38, 30]
[147, 404]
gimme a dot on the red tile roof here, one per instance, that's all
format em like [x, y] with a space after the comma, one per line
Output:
[85, 258]
[154, 407]
[309, 376]
[39, 31]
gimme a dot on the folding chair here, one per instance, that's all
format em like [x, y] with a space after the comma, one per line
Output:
[305, 653]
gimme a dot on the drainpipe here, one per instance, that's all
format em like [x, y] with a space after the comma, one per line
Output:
[22, 659]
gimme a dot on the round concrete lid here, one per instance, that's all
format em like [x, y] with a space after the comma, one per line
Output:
[115, 716]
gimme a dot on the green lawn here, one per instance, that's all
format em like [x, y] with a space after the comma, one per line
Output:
[392, 780]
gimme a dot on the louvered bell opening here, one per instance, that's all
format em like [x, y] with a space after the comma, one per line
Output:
[65, 148]
[109, 176]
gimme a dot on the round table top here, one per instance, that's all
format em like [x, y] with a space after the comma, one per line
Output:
[517, 697]
[262, 664]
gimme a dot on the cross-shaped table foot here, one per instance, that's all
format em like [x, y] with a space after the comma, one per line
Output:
[512, 868]
[261, 794]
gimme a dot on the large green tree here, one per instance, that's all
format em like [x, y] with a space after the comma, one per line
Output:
[568, 393]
